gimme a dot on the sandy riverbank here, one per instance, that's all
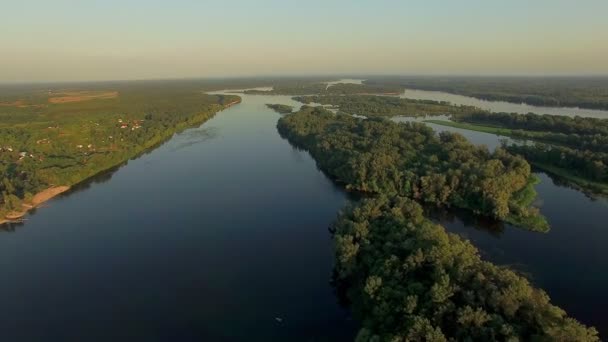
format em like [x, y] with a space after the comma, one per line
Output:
[37, 200]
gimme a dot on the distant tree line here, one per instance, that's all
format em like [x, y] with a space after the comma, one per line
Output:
[280, 108]
[386, 106]
[583, 92]
[578, 146]
[63, 144]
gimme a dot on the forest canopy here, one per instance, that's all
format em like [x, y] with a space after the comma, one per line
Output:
[385, 106]
[583, 92]
[409, 280]
[410, 160]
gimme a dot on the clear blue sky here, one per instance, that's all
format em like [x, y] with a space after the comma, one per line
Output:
[85, 40]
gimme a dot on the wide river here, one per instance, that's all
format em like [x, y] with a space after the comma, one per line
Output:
[221, 234]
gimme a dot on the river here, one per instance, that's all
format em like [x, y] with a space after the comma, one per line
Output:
[221, 234]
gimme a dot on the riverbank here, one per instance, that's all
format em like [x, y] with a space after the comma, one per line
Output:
[38, 199]
[47, 194]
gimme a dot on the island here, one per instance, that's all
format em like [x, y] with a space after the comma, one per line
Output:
[407, 279]
[280, 108]
[573, 148]
[378, 156]
[385, 106]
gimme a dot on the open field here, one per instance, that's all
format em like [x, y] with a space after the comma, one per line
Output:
[79, 96]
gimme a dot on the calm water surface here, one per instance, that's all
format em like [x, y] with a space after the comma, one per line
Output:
[217, 235]
[223, 229]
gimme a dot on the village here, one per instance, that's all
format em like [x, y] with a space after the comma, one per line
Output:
[128, 125]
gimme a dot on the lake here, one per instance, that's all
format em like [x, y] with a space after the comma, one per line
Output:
[221, 234]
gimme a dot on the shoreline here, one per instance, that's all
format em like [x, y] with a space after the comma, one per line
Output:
[38, 199]
[49, 193]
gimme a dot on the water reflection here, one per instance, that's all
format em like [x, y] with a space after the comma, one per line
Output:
[195, 136]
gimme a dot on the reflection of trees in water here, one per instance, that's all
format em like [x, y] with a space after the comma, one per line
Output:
[11, 227]
[469, 220]
[100, 178]
[196, 136]
[340, 287]
[565, 183]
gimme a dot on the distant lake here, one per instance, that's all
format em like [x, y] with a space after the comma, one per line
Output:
[345, 80]
[221, 234]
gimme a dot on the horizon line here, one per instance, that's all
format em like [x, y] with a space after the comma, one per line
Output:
[300, 76]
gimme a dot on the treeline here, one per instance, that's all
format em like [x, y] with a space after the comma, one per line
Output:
[410, 160]
[535, 122]
[583, 92]
[409, 280]
[63, 144]
[371, 105]
[307, 88]
[586, 164]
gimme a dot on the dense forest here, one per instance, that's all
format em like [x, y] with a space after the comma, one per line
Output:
[575, 148]
[585, 168]
[409, 280]
[410, 160]
[371, 105]
[63, 136]
[583, 92]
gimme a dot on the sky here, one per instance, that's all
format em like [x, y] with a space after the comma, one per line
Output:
[69, 40]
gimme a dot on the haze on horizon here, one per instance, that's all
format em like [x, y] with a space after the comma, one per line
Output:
[106, 40]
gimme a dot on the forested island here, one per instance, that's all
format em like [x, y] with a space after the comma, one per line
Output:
[574, 148]
[280, 108]
[385, 106]
[54, 138]
[407, 279]
[409, 159]
[582, 92]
